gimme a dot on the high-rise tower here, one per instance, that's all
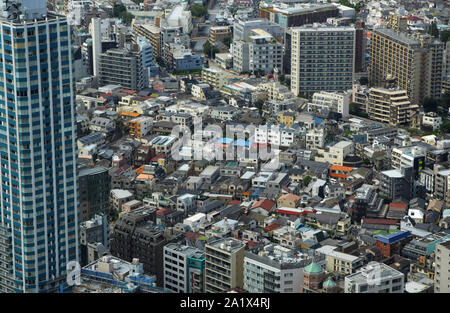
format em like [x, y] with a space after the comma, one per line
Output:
[38, 195]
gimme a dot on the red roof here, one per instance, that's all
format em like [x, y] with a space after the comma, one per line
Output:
[397, 205]
[272, 226]
[266, 204]
[164, 212]
[252, 243]
[192, 236]
[157, 157]
[128, 91]
[380, 221]
[415, 18]
[293, 212]
[234, 202]
[259, 145]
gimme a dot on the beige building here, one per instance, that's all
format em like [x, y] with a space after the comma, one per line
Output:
[415, 61]
[224, 268]
[442, 268]
[390, 106]
[218, 33]
[152, 33]
[340, 262]
[214, 77]
[335, 154]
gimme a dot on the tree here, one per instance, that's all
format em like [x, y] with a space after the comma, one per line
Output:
[363, 80]
[227, 41]
[209, 49]
[433, 30]
[306, 180]
[430, 104]
[445, 126]
[353, 108]
[120, 11]
[445, 35]
[198, 10]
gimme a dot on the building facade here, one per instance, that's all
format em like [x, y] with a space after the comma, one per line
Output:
[39, 198]
[322, 59]
[415, 62]
[224, 265]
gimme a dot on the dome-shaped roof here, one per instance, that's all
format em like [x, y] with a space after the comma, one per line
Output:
[313, 268]
[329, 283]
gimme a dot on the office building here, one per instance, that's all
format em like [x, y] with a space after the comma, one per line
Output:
[135, 235]
[322, 59]
[176, 259]
[39, 198]
[415, 61]
[375, 278]
[94, 186]
[224, 265]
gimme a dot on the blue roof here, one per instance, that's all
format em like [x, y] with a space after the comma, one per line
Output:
[318, 120]
[393, 237]
[242, 143]
[224, 141]
[256, 193]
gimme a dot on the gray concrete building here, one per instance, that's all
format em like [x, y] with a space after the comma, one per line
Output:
[123, 67]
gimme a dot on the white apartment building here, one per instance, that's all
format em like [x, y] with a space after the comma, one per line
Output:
[276, 269]
[191, 108]
[175, 266]
[432, 120]
[195, 221]
[330, 101]
[375, 278]
[259, 52]
[315, 138]
[275, 135]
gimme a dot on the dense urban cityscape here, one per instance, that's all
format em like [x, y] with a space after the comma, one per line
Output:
[225, 146]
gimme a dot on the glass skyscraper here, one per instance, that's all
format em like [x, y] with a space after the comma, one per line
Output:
[39, 199]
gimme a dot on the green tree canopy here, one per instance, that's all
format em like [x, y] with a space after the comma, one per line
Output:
[430, 104]
[306, 180]
[445, 35]
[433, 30]
[198, 10]
[209, 49]
[120, 11]
[227, 41]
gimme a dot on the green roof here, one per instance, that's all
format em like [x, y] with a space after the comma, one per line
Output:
[329, 283]
[313, 268]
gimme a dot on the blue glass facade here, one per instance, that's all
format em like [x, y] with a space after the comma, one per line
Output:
[39, 201]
